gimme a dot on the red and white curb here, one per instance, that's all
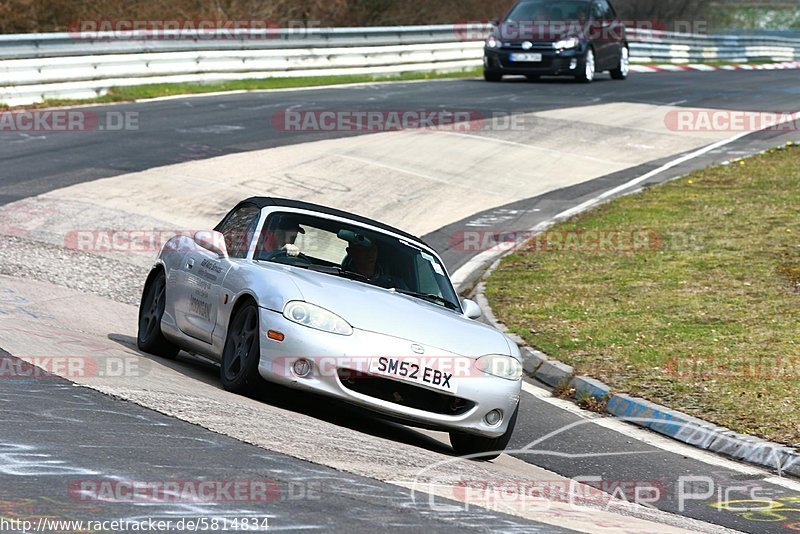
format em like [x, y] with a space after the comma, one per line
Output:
[708, 68]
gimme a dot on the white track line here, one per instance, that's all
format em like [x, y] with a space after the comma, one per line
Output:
[644, 435]
[651, 438]
[477, 262]
[636, 181]
[785, 482]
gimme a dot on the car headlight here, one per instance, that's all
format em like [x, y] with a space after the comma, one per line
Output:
[491, 42]
[315, 317]
[569, 42]
[500, 365]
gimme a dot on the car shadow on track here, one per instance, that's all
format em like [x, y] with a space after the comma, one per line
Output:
[560, 80]
[317, 406]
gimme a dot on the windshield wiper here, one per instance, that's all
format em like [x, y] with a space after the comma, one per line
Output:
[436, 299]
[354, 275]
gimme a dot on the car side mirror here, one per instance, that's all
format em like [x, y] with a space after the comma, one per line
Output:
[494, 22]
[212, 241]
[471, 309]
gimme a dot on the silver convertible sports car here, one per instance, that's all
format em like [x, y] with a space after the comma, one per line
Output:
[325, 301]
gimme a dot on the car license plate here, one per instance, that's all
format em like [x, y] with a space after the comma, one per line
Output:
[413, 370]
[527, 58]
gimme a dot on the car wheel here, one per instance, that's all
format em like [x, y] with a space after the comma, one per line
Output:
[621, 72]
[242, 352]
[490, 76]
[488, 448]
[587, 73]
[150, 338]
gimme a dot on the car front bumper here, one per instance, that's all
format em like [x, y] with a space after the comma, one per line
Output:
[554, 62]
[339, 368]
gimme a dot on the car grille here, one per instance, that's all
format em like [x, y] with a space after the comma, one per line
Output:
[404, 394]
[518, 46]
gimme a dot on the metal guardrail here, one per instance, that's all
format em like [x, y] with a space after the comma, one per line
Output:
[666, 47]
[61, 65]
[47, 45]
[34, 67]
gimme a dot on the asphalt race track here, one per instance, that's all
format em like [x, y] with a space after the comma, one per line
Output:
[197, 128]
[332, 467]
[131, 439]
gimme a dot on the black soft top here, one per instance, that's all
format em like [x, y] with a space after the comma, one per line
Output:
[263, 202]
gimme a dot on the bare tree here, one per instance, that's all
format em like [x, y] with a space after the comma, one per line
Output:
[667, 14]
[55, 15]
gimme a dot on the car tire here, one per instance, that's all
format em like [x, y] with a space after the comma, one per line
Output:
[588, 66]
[242, 352]
[150, 339]
[491, 76]
[623, 68]
[489, 448]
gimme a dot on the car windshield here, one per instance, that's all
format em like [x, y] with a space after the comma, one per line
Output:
[547, 10]
[359, 254]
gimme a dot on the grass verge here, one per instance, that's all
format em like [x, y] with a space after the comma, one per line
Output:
[692, 301]
[140, 92]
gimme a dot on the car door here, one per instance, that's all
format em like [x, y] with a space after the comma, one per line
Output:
[599, 34]
[203, 272]
[615, 35]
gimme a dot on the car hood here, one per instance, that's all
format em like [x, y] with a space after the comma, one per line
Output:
[381, 311]
[515, 33]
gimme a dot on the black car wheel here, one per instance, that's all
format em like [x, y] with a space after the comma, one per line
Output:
[488, 448]
[150, 339]
[242, 352]
[621, 72]
[588, 65]
[491, 76]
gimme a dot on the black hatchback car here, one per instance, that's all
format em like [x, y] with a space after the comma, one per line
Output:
[576, 38]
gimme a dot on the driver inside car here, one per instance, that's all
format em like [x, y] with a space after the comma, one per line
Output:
[282, 236]
[362, 258]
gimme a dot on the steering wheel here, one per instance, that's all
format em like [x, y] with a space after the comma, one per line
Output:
[285, 254]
